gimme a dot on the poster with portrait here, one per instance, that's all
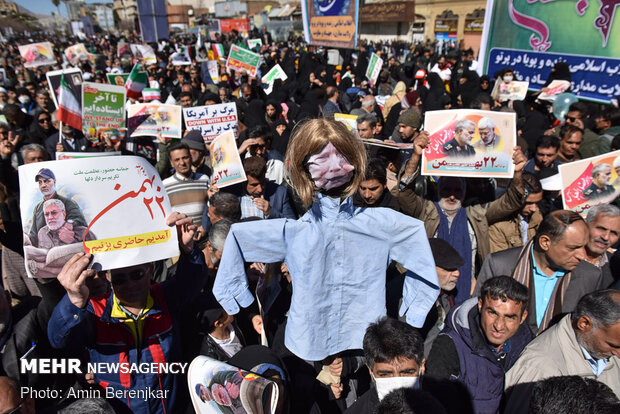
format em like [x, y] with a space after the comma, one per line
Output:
[73, 77]
[103, 106]
[37, 54]
[510, 91]
[469, 143]
[76, 53]
[216, 387]
[226, 162]
[587, 183]
[212, 120]
[112, 207]
[144, 52]
[349, 120]
[153, 119]
[554, 89]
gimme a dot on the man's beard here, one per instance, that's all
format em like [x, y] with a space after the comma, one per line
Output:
[59, 224]
[449, 211]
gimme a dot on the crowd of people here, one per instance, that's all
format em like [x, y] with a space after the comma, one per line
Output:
[394, 292]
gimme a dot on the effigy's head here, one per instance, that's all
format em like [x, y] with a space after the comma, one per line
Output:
[324, 156]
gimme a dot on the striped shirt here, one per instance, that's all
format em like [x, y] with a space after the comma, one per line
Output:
[188, 195]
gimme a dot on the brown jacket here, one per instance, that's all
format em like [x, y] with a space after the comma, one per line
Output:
[506, 234]
[480, 216]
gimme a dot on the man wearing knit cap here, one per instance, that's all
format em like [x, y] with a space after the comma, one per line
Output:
[197, 150]
[447, 263]
[409, 124]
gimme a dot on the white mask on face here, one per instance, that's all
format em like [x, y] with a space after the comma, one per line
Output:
[508, 78]
[386, 385]
[25, 99]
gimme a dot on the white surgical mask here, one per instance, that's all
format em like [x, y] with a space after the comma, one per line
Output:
[387, 385]
[508, 79]
[25, 99]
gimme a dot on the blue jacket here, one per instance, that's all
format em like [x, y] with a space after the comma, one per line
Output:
[110, 341]
[480, 369]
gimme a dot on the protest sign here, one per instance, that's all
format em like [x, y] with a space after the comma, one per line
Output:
[554, 89]
[112, 207]
[469, 143]
[587, 183]
[103, 106]
[349, 120]
[112, 134]
[37, 54]
[213, 71]
[225, 160]
[76, 53]
[242, 59]
[531, 37]
[252, 43]
[240, 25]
[216, 387]
[275, 73]
[153, 119]
[144, 52]
[331, 23]
[79, 155]
[212, 120]
[509, 91]
[181, 57]
[73, 77]
[374, 67]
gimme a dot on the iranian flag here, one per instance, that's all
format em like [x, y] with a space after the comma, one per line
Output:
[136, 82]
[218, 50]
[150, 94]
[69, 109]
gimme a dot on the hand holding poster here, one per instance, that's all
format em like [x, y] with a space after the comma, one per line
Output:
[217, 387]
[103, 106]
[153, 119]
[112, 207]
[587, 183]
[554, 89]
[252, 43]
[37, 54]
[227, 166]
[469, 143]
[374, 68]
[509, 91]
[212, 120]
[76, 53]
[275, 73]
[243, 59]
[145, 53]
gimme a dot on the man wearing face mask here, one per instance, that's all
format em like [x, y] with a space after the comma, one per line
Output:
[482, 339]
[394, 355]
[465, 228]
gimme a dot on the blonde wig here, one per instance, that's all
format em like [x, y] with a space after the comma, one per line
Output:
[309, 138]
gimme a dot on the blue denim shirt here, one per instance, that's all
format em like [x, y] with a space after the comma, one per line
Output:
[337, 255]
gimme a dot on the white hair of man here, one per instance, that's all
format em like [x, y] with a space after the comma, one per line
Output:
[463, 124]
[56, 202]
[603, 210]
[485, 123]
[369, 102]
[599, 169]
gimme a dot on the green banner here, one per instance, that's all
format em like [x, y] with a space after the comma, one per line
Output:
[531, 36]
[103, 106]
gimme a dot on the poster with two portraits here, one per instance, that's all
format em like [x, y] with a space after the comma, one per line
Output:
[590, 182]
[469, 143]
